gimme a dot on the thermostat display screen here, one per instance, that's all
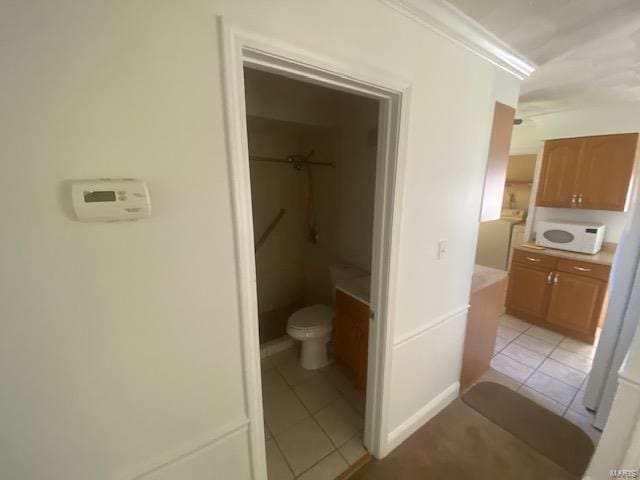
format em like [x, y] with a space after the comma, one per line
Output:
[100, 196]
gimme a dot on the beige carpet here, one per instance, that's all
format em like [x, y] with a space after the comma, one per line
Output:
[462, 443]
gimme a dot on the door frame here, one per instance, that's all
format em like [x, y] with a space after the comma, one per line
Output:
[239, 49]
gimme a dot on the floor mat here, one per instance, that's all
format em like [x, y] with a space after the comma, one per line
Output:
[549, 434]
[462, 443]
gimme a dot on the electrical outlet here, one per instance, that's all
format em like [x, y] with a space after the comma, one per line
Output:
[442, 249]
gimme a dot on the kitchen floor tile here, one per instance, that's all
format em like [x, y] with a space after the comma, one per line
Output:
[535, 344]
[581, 348]
[510, 367]
[282, 411]
[546, 335]
[303, 445]
[500, 344]
[316, 393]
[327, 469]
[514, 323]
[552, 388]
[578, 407]
[277, 468]
[562, 372]
[523, 355]
[572, 360]
[507, 333]
[492, 375]
[543, 400]
[353, 449]
[584, 422]
[340, 421]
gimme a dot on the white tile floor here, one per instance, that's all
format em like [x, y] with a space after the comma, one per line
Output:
[313, 419]
[546, 367]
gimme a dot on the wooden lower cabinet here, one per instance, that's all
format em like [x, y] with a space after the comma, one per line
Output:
[576, 303]
[351, 337]
[563, 295]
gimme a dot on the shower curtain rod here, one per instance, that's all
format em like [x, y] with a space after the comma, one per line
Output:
[295, 160]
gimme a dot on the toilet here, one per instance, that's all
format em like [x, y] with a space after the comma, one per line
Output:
[313, 325]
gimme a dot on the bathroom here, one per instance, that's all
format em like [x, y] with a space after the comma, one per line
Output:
[312, 160]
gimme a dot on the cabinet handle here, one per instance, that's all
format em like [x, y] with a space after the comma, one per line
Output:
[582, 269]
[580, 200]
[549, 278]
[531, 259]
[573, 199]
[555, 279]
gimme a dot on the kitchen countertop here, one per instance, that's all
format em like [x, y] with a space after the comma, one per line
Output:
[603, 257]
[485, 276]
[359, 288]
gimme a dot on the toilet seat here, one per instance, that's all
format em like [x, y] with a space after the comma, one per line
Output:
[315, 320]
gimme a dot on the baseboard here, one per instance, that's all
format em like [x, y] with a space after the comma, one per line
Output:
[422, 416]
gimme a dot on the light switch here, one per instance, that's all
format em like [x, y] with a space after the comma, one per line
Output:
[442, 249]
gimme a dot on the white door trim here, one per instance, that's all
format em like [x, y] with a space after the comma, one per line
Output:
[242, 48]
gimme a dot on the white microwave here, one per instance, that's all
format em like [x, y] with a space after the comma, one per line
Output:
[572, 236]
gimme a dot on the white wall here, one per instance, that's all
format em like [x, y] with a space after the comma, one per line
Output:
[530, 136]
[120, 347]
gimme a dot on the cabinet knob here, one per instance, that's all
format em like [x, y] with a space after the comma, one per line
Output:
[579, 199]
[573, 199]
[549, 278]
[555, 279]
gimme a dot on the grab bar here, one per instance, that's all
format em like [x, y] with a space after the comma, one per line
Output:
[269, 229]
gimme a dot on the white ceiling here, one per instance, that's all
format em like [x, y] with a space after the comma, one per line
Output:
[588, 51]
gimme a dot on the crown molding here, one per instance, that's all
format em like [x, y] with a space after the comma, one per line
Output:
[448, 21]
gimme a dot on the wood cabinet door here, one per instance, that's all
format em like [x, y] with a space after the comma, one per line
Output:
[528, 291]
[605, 171]
[558, 176]
[344, 337]
[361, 353]
[575, 304]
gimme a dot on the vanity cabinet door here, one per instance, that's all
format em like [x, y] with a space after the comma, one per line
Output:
[351, 337]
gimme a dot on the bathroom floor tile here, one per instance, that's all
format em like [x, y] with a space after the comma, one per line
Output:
[584, 422]
[507, 333]
[581, 348]
[552, 388]
[272, 384]
[340, 421]
[277, 468]
[543, 400]
[511, 368]
[293, 372]
[303, 445]
[283, 411]
[316, 393]
[514, 323]
[523, 355]
[562, 372]
[326, 469]
[535, 344]
[284, 356]
[572, 360]
[546, 335]
[492, 375]
[353, 449]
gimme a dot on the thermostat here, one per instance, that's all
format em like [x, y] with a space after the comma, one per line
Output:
[110, 199]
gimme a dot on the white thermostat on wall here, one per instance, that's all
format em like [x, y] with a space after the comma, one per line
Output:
[110, 199]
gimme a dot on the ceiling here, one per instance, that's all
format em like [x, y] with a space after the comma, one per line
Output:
[588, 51]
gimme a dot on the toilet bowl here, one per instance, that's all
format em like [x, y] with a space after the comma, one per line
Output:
[312, 326]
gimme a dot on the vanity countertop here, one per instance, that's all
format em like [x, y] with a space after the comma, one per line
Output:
[603, 257]
[359, 288]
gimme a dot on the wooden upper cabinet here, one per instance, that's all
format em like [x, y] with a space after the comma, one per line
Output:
[605, 171]
[498, 158]
[558, 178]
[588, 172]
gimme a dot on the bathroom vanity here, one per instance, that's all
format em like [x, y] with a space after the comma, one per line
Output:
[351, 328]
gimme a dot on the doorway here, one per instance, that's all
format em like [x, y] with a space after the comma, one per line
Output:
[242, 51]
